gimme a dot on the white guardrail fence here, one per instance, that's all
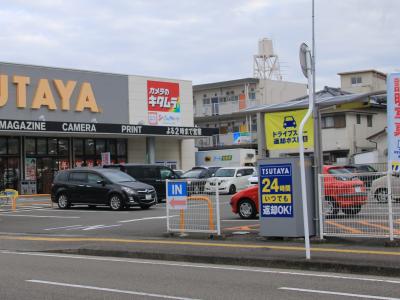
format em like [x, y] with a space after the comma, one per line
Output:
[360, 204]
[190, 209]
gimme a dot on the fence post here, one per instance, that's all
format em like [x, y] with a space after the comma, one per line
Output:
[218, 213]
[166, 203]
[321, 217]
[390, 206]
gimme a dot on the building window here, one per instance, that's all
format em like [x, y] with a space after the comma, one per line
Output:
[356, 80]
[206, 101]
[335, 121]
[369, 121]
[358, 119]
[252, 95]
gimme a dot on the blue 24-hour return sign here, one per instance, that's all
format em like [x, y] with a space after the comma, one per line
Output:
[276, 190]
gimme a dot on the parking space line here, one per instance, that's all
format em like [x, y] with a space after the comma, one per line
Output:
[350, 229]
[337, 293]
[88, 287]
[145, 219]
[63, 227]
[379, 226]
[38, 216]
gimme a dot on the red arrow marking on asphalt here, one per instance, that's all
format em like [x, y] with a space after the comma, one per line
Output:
[175, 202]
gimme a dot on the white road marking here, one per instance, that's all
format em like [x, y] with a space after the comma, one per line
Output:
[64, 227]
[37, 216]
[145, 219]
[338, 293]
[202, 266]
[94, 227]
[88, 287]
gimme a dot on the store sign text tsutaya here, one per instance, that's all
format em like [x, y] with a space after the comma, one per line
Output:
[43, 95]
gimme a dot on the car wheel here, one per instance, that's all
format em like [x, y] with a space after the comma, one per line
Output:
[247, 209]
[63, 201]
[116, 202]
[330, 207]
[381, 195]
[352, 210]
[232, 189]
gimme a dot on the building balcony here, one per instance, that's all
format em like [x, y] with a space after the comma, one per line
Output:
[223, 108]
[228, 139]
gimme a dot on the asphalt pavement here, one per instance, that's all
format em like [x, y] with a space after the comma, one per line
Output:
[142, 234]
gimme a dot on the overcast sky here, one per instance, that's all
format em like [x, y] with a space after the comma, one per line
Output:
[200, 40]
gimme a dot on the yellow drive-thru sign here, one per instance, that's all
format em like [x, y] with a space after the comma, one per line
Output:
[281, 130]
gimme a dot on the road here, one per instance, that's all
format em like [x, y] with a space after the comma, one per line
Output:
[52, 276]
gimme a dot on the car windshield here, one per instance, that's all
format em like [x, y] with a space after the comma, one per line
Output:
[192, 173]
[225, 173]
[339, 171]
[118, 177]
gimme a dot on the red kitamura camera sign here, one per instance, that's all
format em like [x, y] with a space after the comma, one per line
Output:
[163, 103]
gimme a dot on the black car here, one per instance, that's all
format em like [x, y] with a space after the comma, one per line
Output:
[155, 175]
[96, 186]
[195, 176]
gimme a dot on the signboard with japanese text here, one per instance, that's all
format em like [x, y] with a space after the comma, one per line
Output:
[281, 130]
[393, 120]
[177, 195]
[276, 190]
[163, 103]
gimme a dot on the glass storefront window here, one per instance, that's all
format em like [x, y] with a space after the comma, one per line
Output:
[41, 146]
[3, 145]
[52, 146]
[89, 147]
[30, 146]
[63, 147]
[78, 147]
[13, 146]
[100, 146]
[111, 147]
[121, 147]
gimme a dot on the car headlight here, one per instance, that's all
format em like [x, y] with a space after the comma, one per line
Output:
[129, 190]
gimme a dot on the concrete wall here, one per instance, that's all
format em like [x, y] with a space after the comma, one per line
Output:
[370, 81]
[275, 91]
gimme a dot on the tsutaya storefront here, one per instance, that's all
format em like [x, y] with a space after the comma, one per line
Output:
[52, 119]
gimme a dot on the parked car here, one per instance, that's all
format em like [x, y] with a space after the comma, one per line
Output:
[98, 186]
[379, 188]
[154, 175]
[196, 178]
[343, 191]
[179, 172]
[245, 203]
[364, 173]
[253, 180]
[229, 180]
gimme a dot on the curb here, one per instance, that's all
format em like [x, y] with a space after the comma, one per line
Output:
[316, 265]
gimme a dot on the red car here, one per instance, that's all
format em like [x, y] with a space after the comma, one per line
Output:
[343, 191]
[245, 202]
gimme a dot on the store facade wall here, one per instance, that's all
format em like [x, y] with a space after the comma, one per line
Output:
[53, 119]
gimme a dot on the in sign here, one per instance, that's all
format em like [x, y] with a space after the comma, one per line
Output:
[177, 195]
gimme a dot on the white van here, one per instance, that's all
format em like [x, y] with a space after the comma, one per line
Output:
[229, 180]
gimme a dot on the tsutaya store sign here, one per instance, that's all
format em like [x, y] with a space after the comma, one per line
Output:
[43, 95]
[393, 119]
[53, 94]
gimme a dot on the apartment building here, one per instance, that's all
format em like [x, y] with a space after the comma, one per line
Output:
[349, 114]
[225, 105]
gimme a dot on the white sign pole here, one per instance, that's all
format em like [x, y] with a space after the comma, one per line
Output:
[307, 54]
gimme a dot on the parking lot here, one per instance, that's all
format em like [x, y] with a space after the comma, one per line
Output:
[37, 217]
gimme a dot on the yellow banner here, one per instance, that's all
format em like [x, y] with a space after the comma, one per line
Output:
[281, 130]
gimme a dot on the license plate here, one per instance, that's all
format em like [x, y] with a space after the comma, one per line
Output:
[358, 189]
[148, 197]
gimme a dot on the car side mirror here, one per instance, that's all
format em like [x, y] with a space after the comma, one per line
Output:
[102, 182]
[238, 175]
